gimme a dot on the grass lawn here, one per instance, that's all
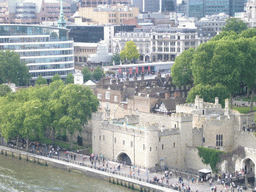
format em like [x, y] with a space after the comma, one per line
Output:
[245, 98]
[61, 144]
[243, 109]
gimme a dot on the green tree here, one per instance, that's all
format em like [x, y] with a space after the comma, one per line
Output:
[98, 73]
[12, 70]
[70, 78]
[87, 74]
[249, 33]
[4, 90]
[130, 52]
[116, 58]
[11, 117]
[55, 107]
[226, 35]
[181, 71]
[33, 119]
[208, 93]
[76, 98]
[247, 47]
[236, 25]
[56, 77]
[219, 62]
[41, 81]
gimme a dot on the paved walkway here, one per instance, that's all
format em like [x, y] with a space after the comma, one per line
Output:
[111, 169]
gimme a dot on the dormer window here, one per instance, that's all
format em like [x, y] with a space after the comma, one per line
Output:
[115, 98]
[107, 95]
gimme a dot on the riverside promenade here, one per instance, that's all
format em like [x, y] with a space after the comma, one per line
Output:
[127, 176]
[84, 168]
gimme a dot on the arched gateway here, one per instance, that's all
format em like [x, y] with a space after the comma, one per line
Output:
[248, 167]
[123, 157]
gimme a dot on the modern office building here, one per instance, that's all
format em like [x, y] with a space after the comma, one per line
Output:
[154, 5]
[45, 50]
[95, 3]
[32, 11]
[201, 8]
[94, 34]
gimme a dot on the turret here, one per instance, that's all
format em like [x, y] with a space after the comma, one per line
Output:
[216, 100]
[226, 107]
[151, 145]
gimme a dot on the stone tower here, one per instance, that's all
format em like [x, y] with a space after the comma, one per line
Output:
[151, 145]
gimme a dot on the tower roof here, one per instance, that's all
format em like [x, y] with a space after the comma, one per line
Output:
[61, 22]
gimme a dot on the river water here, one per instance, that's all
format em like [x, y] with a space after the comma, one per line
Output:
[20, 175]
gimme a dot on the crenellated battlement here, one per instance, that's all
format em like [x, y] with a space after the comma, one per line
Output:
[181, 117]
[127, 129]
[98, 116]
[151, 127]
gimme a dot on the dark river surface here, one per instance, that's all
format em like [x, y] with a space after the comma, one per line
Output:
[20, 175]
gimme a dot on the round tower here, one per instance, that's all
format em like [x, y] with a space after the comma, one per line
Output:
[151, 145]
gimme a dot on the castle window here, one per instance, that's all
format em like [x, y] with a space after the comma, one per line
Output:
[123, 142]
[219, 140]
[173, 145]
[94, 137]
[162, 146]
[100, 138]
[115, 139]
[156, 148]
[159, 139]
[103, 137]
[131, 143]
[203, 140]
[143, 146]
[150, 149]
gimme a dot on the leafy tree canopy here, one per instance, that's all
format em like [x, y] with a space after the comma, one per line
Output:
[98, 73]
[208, 93]
[236, 25]
[69, 79]
[130, 52]
[181, 71]
[218, 62]
[4, 90]
[116, 58]
[41, 81]
[57, 107]
[12, 70]
[56, 77]
[249, 33]
[87, 74]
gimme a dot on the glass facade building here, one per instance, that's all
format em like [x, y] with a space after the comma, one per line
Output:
[45, 50]
[201, 8]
